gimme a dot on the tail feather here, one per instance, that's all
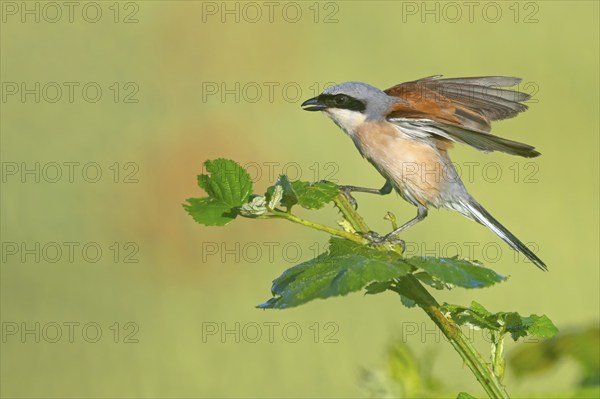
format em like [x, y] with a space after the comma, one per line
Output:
[482, 216]
[488, 142]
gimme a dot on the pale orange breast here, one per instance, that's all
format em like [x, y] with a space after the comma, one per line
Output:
[418, 169]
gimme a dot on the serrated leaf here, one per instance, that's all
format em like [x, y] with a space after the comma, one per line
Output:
[512, 322]
[209, 212]
[480, 310]
[314, 195]
[539, 326]
[408, 302]
[346, 267]
[377, 287]
[227, 183]
[307, 195]
[458, 272]
[228, 187]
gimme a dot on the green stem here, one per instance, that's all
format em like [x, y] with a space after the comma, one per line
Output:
[497, 349]
[275, 214]
[347, 210]
[411, 287]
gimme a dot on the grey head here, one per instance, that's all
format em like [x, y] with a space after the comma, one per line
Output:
[358, 97]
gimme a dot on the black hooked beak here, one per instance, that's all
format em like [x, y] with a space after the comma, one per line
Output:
[313, 104]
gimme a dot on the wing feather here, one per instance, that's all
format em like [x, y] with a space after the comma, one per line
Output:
[473, 102]
[460, 110]
[425, 129]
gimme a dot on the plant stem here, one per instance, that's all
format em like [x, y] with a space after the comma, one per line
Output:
[411, 287]
[347, 210]
[293, 218]
[497, 349]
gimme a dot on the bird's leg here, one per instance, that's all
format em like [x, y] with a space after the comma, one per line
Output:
[421, 214]
[391, 236]
[347, 191]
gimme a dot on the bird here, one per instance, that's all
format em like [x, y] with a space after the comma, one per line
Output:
[406, 131]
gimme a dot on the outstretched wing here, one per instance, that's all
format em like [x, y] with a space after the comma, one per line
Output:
[460, 110]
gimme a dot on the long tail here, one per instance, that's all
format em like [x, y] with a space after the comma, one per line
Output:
[478, 212]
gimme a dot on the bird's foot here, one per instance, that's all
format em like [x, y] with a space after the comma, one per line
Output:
[347, 192]
[377, 239]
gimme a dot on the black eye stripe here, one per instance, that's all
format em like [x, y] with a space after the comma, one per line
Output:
[342, 101]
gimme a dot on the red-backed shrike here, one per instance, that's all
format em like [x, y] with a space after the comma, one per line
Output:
[405, 132]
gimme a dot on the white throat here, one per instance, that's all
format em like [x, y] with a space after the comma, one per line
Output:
[347, 120]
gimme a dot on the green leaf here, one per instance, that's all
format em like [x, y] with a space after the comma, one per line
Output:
[228, 182]
[408, 302]
[502, 322]
[228, 187]
[377, 287]
[539, 326]
[476, 316]
[209, 212]
[431, 281]
[314, 195]
[464, 395]
[346, 267]
[307, 195]
[458, 272]
[284, 190]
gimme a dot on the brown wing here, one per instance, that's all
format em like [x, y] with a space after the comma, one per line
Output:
[468, 102]
[462, 108]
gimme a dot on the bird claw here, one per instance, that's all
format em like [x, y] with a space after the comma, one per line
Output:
[377, 239]
[347, 192]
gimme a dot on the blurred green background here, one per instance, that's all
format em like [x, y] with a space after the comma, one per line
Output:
[186, 81]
